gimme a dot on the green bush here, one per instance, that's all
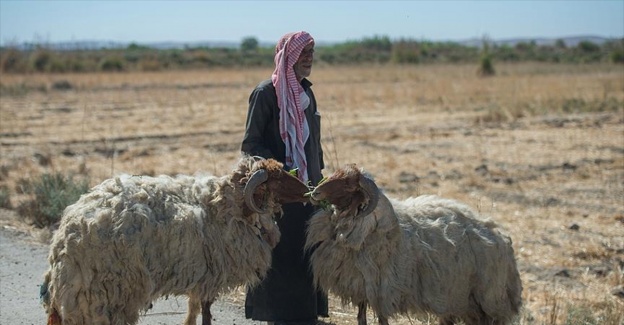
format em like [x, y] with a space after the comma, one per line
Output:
[50, 195]
[41, 59]
[617, 57]
[486, 67]
[112, 64]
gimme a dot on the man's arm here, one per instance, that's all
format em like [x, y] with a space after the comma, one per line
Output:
[259, 117]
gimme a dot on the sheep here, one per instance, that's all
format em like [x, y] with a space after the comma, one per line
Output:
[134, 239]
[424, 254]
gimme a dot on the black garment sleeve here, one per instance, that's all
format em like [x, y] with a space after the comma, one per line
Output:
[317, 126]
[259, 119]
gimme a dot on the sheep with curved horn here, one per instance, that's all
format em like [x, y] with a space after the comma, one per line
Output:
[134, 239]
[424, 254]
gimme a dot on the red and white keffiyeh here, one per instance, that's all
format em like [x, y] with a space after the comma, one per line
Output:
[293, 125]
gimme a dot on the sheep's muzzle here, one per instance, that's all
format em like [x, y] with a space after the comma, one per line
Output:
[349, 191]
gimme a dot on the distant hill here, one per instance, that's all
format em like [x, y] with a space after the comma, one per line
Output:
[569, 41]
[96, 45]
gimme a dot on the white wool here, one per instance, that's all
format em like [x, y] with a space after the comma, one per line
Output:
[424, 254]
[133, 239]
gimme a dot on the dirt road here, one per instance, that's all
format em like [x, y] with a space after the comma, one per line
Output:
[23, 261]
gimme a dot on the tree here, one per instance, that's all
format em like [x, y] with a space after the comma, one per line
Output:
[249, 44]
[588, 47]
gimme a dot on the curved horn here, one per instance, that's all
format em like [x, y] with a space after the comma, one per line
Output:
[256, 179]
[372, 192]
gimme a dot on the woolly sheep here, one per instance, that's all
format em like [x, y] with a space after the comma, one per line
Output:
[424, 254]
[134, 239]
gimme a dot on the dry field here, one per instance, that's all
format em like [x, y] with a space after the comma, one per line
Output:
[537, 148]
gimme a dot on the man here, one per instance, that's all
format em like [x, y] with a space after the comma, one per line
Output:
[283, 123]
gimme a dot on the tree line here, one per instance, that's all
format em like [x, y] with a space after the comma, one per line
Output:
[39, 58]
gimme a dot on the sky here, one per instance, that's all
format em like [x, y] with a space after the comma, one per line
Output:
[150, 21]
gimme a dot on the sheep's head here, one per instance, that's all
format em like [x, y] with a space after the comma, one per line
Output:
[269, 183]
[267, 187]
[351, 192]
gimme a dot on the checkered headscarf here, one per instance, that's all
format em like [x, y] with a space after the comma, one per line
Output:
[293, 125]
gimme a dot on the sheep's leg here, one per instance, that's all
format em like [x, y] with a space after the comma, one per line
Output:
[361, 317]
[206, 315]
[446, 321]
[193, 310]
[54, 318]
[383, 320]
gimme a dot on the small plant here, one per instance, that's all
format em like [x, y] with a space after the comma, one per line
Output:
[40, 60]
[486, 67]
[112, 64]
[11, 60]
[580, 315]
[5, 198]
[51, 194]
[62, 85]
[617, 56]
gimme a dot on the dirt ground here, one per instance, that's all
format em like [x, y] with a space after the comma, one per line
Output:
[539, 149]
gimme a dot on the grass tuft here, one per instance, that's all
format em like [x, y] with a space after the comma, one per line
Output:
[50, 195]
[5, 198]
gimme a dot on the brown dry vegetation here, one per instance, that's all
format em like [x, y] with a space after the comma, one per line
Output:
[537, 148]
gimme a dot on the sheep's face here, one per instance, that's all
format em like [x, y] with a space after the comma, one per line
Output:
[268, 229]
[266, 191]
[342, 190]
[280, 187]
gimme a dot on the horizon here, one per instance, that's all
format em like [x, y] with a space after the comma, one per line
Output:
[141, 22]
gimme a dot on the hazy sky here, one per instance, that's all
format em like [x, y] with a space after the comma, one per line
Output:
[187, 21]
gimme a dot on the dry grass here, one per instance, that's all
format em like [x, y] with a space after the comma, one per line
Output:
[538, 148]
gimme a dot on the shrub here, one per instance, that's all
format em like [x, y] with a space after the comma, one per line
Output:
[203, 57]
[617, 56]
[486, 67]
[12, 60]
[62, 85]
[5, 198]
[50, 195]
[41, 60]
[112, 64]
[588, 47]
[405, 52]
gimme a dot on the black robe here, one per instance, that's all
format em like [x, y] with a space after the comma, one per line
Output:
[287, 293]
